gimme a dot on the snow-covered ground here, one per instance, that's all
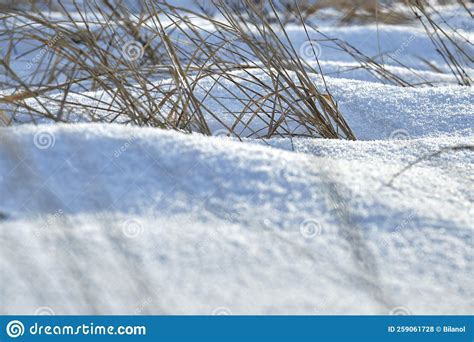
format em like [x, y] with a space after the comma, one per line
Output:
[111, 219]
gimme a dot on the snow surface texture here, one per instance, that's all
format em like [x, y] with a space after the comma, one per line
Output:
[107, 219]
[110, 219]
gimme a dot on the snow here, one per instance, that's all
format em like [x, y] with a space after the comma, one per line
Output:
[373, 110]
[113, 219]
[110, 216]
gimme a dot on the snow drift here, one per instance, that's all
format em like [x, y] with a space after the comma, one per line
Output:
[111, 219]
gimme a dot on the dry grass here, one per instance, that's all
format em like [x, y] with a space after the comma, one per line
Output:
[157, 80]
[354, 11]
[153, 66]
[449, 43]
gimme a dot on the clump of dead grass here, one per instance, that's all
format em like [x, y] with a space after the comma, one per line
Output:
[147, 66]
[164, 66]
